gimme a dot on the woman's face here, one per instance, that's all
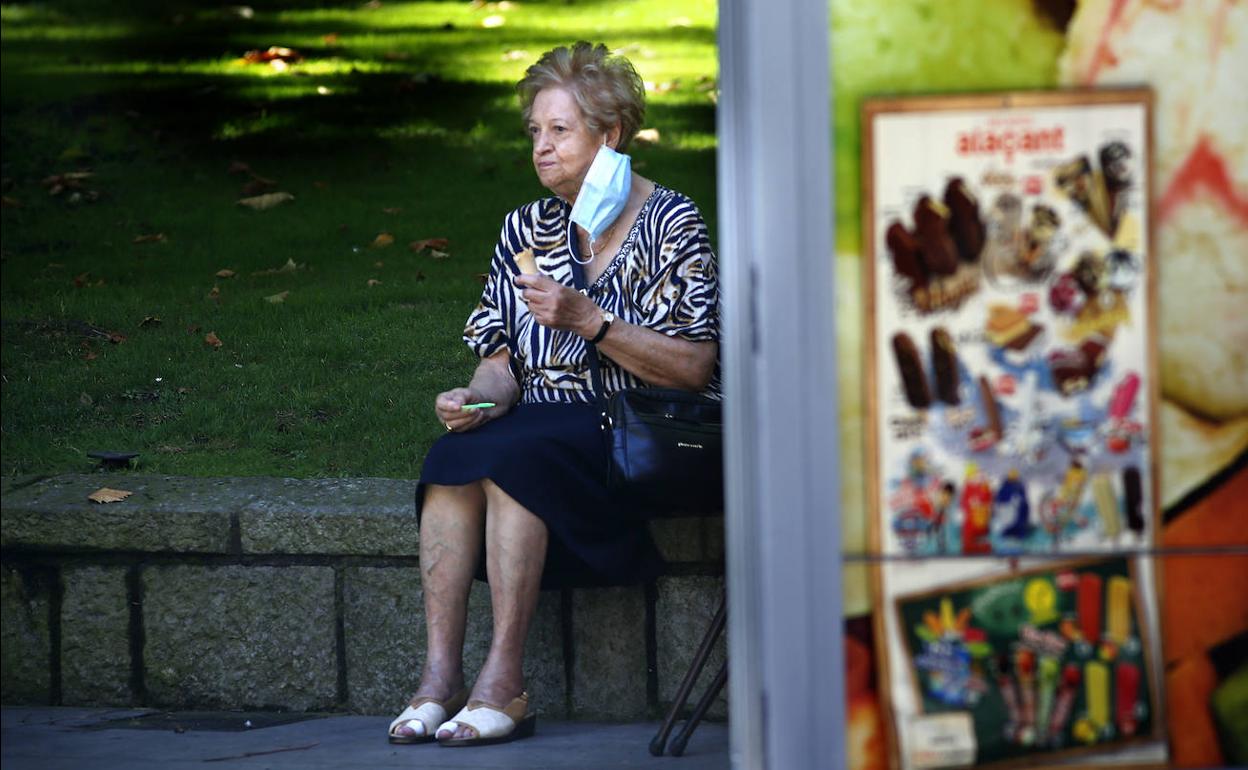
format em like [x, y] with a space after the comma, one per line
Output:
[564, 145]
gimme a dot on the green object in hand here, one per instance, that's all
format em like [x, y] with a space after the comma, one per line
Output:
[470, 407]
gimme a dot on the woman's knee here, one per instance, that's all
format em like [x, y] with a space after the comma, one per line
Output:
[459, 500]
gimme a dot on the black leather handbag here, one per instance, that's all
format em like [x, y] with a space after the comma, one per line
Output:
[665, 446]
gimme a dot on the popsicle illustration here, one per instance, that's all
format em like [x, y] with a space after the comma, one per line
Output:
[1133, 496]
[1025, 665]
[1049, 668]
[1009, 693]
[1096, 691]
[1065, 704]
[1123, 399]
[1118, 609]
[1126, 690]
[1106, 504]
[1088, 606]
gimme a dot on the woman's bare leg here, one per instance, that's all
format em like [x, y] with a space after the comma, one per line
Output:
[515, 552]
[451, 527]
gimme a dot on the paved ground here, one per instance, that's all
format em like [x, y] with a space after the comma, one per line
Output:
[111, 739]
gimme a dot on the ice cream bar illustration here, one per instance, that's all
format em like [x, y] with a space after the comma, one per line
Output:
[1106, 504]
[1133, 495]
[1025, 665]
[1009, 693]
[1096, 692]
[1126, 690]
[1123, 400]
[1088, 606]
[1048, 691]
[910, 367]
[1065, 701]
[1118, 609]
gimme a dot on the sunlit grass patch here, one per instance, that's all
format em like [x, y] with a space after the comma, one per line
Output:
[399, 120]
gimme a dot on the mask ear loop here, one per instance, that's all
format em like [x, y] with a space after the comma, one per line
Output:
[572, 252]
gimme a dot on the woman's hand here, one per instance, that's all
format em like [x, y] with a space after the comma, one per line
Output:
[559, 307]
[449, 408]
[491, 382]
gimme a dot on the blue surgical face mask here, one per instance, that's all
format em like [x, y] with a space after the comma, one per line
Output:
[603, 195]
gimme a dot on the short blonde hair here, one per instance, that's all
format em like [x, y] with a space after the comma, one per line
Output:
[607, 88]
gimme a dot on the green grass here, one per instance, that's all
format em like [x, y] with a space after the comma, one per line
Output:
[409, 107]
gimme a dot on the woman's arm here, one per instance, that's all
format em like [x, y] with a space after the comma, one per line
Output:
[650, 355]
[491, 382]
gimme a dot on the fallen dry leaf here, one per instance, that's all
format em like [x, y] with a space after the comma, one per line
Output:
[116, 338]
[516, 55]
[71, 180]
[272, 54]
[150, 238]
[392, 210]
[257, 186]
[382, 240]
[379, 263]
[493, 22]
[373, 5]
[276, 298]
[225, 273]
[330, 39]
[150, 320]
[106, 495]
[10, 203]
[212, 339]
[439, 254]
[90, 356]
[428, 243]
[82, 279]
[289, 267]
[373, 282]
[266, 201]
[396, 56]
[215, 293]
[648, 136]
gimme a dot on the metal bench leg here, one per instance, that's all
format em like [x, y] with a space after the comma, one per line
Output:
[678, 743]
[691, 677]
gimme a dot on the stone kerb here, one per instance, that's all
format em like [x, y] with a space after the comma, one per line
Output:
[298, 594]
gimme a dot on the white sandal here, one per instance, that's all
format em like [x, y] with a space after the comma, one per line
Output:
[491, 724]
[422, 712]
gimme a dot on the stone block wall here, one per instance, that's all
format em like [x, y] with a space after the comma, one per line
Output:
[302, 595]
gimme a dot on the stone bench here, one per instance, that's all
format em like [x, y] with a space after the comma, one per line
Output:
[264, 593]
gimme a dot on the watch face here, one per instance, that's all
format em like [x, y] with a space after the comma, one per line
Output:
[608, 317]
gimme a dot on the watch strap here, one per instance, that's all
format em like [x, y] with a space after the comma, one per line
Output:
[602, 332]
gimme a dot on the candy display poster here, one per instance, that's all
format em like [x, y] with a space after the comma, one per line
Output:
[1050, 661]
[1011, 382]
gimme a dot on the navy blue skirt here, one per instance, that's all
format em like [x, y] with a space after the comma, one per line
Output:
[552, 459]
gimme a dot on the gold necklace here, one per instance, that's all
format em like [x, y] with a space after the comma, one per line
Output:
[605, 239]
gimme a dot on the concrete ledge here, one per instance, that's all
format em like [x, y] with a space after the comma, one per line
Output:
[300, 594]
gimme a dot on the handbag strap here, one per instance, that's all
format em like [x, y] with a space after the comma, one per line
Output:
[595, 364]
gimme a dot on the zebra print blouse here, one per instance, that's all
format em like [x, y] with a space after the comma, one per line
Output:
[664, 277]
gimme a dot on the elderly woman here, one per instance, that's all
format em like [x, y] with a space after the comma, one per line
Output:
[519, 480]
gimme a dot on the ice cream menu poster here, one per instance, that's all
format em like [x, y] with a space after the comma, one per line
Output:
[1012, 400]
